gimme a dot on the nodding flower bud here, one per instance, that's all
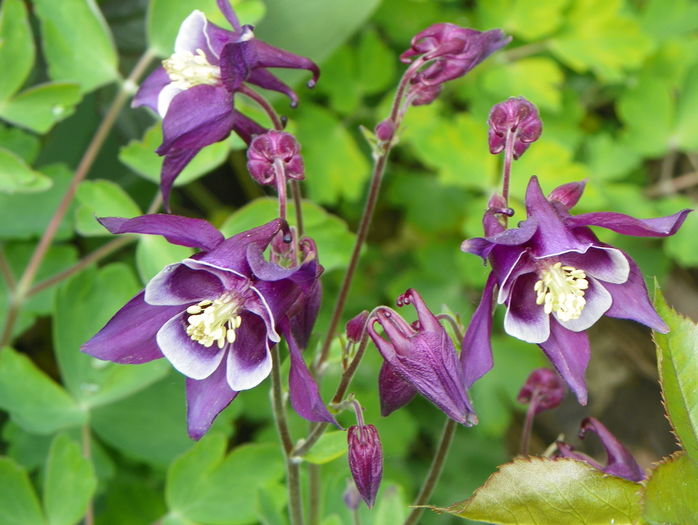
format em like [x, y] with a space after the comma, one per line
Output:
[351, 496]
[385, 130]
[365, 460]
[544, 389]
[355, 326]
[268, 148]
[516, 121]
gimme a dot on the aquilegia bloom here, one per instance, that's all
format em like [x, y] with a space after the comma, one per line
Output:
[556, 279]
[193, 90]
[216, 315]
[419, 357]
[620, 462]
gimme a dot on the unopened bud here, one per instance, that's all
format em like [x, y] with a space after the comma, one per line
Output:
[517, 120]
[355, 327]
[274, 146]
[365, 460]
[385, 130]
[544, 388]
[351, 496]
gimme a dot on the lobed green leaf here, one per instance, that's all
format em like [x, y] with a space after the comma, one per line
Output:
[18, 502]
[670, 493]
[16, 47]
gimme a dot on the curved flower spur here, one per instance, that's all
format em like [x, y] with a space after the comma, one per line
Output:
[557, 279]
[216, 315]
[419, 357]
[193, 91]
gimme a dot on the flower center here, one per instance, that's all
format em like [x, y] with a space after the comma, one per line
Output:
[187, 69]
[214, 321]
[561, 290]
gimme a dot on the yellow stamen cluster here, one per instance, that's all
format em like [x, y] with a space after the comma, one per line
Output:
[187, 69]
[214, 321]
[561, 290]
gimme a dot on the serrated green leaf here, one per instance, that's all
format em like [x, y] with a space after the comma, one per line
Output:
[40, 107]
[34, 401]
[153, 253]
[19, 142]
[18, 502]
[677, 360]
[77, 43]
[330, 233]
[549, 492]
[670, 492]
[70, 482]
[83, 305]
[329, 447]
[16, 47]
[140, 156]
[101, 198]
[16, 176]
[205, 486]
[600, 37]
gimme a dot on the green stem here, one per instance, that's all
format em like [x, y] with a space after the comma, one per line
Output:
[6, 271]
[87, 453]
[314, 489]
[434, 472]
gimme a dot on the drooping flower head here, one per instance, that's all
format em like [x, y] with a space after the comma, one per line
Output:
[543, 389]
[215, 316]
[272, 152]
[365, 455]
[620, 462]
[556, 279]
[419, 357]
[194, 88]
[449, 51]
[514, 121]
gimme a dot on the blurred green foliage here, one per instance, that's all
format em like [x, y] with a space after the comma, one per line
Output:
[616, 82]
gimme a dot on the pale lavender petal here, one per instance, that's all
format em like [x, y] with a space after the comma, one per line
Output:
[630, 301]
[192, 34]
[303, 390]
[569, 353]
[627, 225]
[605, 263]
[129, 336]
[525, 319]
[184, 231]
[274, 299]
[393, 390]
[190, 358]
[149, 92]
[476, 352]
[598, 301]
[206, 398]
[165, 96]
[177, 284]
[568, 194]
[508, 264]
[249, 359]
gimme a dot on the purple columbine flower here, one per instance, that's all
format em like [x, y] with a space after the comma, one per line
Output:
[272, 154]
[543, 390]
[620, 462]
[515, 120]
[216, 315]
[193, 90]
[419, 357]
[449, 51]
[556, 279]
[365, 455]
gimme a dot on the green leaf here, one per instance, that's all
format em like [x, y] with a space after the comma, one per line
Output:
[376, 64]
[334, 166]
[600, 37]
[538, 79]
[670, 492]
[610, 159]
[681, 246]
[547, 491]
[83, 305]
[16, 47]
[153, 253]
[392, 506]
[686, 133]
[330, 233]
[329, 447]
[527, 20]
[70, 482]
[77, 43]
[663, 19]
[16, 176]
[206, 486]
[101, 198]
[677, 360]
[18, 502]
[19, 142]
[40, 107]
[23, 216]
[33, 400]
[339, 75]
[140, 156]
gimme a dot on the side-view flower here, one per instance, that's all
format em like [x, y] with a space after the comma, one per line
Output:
[557, 279]
[216, 315]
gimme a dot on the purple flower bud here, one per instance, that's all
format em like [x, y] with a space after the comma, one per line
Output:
[517, 120]
[620, 461]
[365, 460]
[544, 389]
[266, 149]
[351, 496]
[355, 327]
[385, 130]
